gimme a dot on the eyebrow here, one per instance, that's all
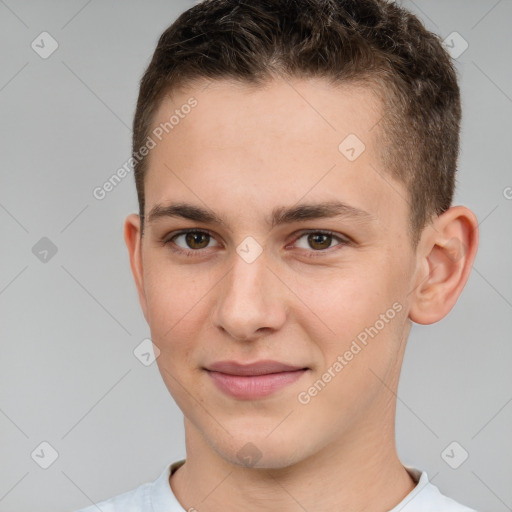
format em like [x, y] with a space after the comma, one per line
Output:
[280, 215]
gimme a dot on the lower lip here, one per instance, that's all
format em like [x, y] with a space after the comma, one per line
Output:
[254, 386]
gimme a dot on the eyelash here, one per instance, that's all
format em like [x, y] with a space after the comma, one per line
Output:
[191, 253]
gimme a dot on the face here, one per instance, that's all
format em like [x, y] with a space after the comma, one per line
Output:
[305, 260]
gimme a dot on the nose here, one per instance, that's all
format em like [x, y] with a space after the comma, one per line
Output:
[251, 301]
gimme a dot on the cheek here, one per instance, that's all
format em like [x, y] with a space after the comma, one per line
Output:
[174, 309]
[356, 322]
[342, 302]
[173, 294]
[177, 315]
[358, 369]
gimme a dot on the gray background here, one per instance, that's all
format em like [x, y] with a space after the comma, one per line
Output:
[68, 375]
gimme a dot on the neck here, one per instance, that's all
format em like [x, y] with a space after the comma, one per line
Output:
[359, 472]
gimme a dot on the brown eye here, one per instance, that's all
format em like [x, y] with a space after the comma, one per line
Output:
[319, 240]
[197, 239]
[191, 241]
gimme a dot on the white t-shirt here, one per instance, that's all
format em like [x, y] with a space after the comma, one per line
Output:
[157, 496]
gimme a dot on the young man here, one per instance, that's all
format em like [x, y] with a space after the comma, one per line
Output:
[294, 163]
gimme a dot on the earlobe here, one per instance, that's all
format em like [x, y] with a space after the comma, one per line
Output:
[133, 240]
[446, 254]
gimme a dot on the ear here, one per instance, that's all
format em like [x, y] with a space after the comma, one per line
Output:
[133, 240]
[445, 253]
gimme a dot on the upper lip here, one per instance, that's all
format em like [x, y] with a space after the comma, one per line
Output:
[256, 368]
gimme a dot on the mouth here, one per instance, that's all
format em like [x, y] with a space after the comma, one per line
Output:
[255, 380]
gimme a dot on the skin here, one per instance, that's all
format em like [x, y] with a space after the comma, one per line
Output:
[240, 153]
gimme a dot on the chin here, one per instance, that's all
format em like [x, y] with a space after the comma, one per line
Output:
[258, 452]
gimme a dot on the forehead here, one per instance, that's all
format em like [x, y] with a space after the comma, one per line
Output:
[299, 110]
[269, 145]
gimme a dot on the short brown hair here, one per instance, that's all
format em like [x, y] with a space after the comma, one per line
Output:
[373, 43]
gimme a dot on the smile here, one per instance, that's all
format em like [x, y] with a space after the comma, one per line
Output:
[254, 386]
